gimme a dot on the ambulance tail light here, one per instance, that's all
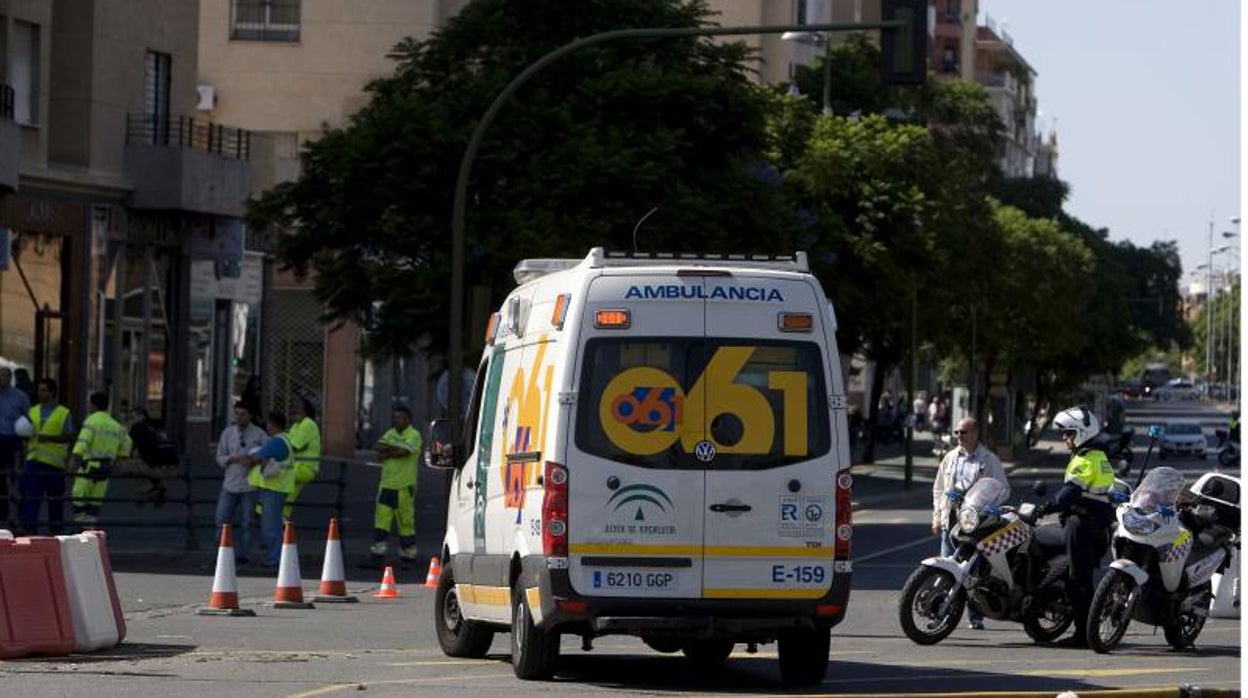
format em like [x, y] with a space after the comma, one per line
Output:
[555, 512]
[491, 329]
[561, 310]
[844, 515]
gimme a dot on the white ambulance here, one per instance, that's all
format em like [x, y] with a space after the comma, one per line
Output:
[655, 446]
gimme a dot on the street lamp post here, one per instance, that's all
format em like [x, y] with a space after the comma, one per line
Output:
[902, 57]
[815, 38]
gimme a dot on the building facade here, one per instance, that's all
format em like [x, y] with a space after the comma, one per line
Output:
[118, 195]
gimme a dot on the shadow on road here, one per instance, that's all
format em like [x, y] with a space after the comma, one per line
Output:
[761, 675]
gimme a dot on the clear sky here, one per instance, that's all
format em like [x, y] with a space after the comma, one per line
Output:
[1145, 98]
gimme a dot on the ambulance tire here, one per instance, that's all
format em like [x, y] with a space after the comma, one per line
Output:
[456, 636]
[804, 656]
[707, 654]
[534, 652]
[666, 645]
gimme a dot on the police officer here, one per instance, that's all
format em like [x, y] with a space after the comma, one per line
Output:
[1232, 427]
[100, 442]
[1083, 502]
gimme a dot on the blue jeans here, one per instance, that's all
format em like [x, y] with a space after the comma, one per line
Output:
[42, 481]
[947, 548]
[271, 524]
[227, 504]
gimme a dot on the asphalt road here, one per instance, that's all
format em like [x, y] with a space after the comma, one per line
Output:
[387, 648]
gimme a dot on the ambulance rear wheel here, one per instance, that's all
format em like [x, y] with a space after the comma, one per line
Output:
[804, 656]
[534, 651]
[458, 637]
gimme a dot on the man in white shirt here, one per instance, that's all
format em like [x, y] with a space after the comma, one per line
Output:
[959, 469]
[241, 437]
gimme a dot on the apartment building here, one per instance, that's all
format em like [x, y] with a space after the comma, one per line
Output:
[1011, 81]
[114, 202]
[289, 70]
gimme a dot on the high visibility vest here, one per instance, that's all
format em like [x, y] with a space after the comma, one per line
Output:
[283, 481]
[102, 438]
[397, 473]
[1092, 472]
[308, 435]
[46, 452]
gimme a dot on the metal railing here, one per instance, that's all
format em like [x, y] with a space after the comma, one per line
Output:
[7, 99]
[198, 509]
[189, 133]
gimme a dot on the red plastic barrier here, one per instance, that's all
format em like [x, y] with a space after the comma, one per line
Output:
[112, 586]
[34, 605]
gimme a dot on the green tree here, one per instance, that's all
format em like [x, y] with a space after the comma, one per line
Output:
[1225, 307]
[585, 149]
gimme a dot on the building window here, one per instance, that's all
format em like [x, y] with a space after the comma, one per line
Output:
[156, 68]
[24, 72]
[264, 20]
[949, 59]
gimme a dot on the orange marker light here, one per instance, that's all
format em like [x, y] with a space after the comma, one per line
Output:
[796, 322]
[561, 310]
[491, 329]
[612, 319]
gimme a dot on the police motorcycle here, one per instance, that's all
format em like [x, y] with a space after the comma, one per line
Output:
[1228, 449]
[1004, 566]
[1167, 546]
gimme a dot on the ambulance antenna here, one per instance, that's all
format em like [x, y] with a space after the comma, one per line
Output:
[639, 222]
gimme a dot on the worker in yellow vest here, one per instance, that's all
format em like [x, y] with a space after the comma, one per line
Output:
[305, 443]
[100, 442]
[272, 474]
[47, 457]
[399, 449]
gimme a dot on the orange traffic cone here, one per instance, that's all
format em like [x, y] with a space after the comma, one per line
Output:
[435, 571]
[333, 579]
[388, 590]
[289, 592]
[224, 599]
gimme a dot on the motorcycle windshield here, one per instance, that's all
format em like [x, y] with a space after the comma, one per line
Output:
[1160, 488]
[986, 491]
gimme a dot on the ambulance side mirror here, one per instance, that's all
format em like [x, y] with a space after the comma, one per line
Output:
[442, 452]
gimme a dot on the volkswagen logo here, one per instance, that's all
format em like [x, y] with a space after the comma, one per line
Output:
[704, 451]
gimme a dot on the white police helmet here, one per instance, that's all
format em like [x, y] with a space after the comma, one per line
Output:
[23, 428]
[1079, 420]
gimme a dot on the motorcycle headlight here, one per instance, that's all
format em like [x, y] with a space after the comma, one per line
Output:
[1137, 523]
[968, 519]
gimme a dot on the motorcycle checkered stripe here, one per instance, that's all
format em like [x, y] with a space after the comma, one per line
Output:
[1179, 549]
[1002, 540]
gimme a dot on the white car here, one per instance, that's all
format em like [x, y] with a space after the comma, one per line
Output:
[1184, 438]
[1177, 389]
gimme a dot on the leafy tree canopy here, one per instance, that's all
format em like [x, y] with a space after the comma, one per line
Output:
[584, 150]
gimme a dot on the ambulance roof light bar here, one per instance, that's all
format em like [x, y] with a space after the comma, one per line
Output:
[530, 269]
[798, 261]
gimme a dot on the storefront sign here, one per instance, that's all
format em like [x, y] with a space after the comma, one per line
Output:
[43, 216]
[217, 239]
[243, 283]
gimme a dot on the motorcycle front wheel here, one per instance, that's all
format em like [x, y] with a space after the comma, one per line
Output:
[1111, 611]
[1182, 631]
[931, 605]
[1227, 458]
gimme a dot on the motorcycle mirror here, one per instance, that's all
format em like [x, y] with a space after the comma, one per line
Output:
[1040, 488]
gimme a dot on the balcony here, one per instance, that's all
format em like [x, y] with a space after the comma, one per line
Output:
[1005, 81]
[179, 163]
[9, 133]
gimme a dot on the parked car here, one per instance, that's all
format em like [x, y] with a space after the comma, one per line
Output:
[1183, 438]
[1177, 389]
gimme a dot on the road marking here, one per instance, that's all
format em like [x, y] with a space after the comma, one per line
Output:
[389, 682]
[928, 540]
[1105, 672]
[440, 663]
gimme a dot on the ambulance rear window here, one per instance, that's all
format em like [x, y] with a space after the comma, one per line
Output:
[720, 404]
